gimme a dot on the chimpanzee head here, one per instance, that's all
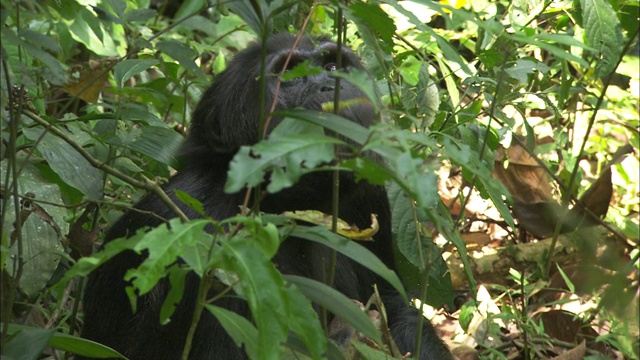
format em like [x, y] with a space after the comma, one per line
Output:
[227, 116]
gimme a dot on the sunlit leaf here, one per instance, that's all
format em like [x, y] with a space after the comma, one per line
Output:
[603, 33]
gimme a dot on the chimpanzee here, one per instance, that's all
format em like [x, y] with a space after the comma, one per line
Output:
[227, 118]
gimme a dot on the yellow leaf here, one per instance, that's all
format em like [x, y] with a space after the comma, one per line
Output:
[350, 231]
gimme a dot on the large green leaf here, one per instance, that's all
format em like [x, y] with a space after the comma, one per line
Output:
[372, 16]
[42, 232]
[333, 122]
[270, 303]
[241, 330]
[286, 157]
[422, 255]
[555, 50]
[72, 167]
[55, 70]
[349, 248]
[337, 303]
[160, 143]
[86, 28]
[415, 174]
[84, 347]
[125, 70]
[188, 8]
[177, 275]
[30, 342]
[164, 245]
[246, 10]
[603, 33]
[184, 55]
[27, 343]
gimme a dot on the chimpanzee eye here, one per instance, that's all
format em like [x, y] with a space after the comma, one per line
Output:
[331, 66]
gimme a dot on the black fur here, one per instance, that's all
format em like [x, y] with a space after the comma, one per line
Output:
[225, 119]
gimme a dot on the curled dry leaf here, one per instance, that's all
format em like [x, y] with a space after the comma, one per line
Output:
[350, 231]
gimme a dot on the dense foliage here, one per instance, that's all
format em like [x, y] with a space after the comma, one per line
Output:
[96, 98]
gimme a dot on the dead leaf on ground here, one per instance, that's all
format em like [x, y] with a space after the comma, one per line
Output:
[598, 196]
[525, 179]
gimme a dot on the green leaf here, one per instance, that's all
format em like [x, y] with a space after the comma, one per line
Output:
[364, 82]
[428, 98]
[72, 167]
[524, 67]
[297, 350]
[164, 244]
[43, 229]
[337, 303]
[264, 235]
[416, 174]
[441, 218]
[286, 156]
[563, 39]
[304, 321]
[177, 275]
[561, 53]
[467, 313]
[88, 29]
[263, 287]
[159, 143]
[372, 16]
[351, 249]
[190, 201]
[55, 70]
[368, 352]
[189, 8]
[27, 343]
[566, 279]
[366, 168]
[87, 264]
[84, 347]
[462, 155]
[130, 67]
[603, 33]
[239, 328]
[44, 41]
[118, 6]
[410, 70]
[330, 121]
[419, 250]
[139, 15]
[246, 11]
[300, 70]
[184, 55]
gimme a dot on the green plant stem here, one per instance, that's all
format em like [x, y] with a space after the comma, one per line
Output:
[205, 285]
[424, 277]
[424, 285]
[335, 189]
[485, 142]
[12, 172]
[523, 314]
